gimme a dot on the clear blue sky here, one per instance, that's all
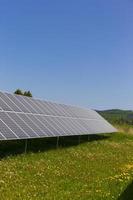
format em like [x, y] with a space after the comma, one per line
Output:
[70, 51]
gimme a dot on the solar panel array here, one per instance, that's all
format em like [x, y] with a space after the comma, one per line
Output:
[23, 117]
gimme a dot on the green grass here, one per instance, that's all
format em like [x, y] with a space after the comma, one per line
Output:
[99, 169]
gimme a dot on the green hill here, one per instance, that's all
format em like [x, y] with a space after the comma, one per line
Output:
[117, 116]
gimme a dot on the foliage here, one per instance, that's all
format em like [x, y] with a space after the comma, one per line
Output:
[26, 93]
[19, 92]
[117, 116]
[98, 169]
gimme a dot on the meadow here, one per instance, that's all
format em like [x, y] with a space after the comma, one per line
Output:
[100, 168]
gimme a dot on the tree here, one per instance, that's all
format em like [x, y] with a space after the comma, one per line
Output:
[28, 94]
[19, 92]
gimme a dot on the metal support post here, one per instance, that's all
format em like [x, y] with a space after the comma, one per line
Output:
[79, 139]
[26, 144]
[57, 142]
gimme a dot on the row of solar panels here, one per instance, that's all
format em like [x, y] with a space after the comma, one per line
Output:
[23, 117]
[21, 126]
[17, 103]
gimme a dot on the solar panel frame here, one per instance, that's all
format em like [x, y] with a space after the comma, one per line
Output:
[50, 125]
[4, 106]
[9, 103]
[18, 103]
[26, 104]
[17, 130]
[44, 108]
[2, 137]
[24, 126]
[66, 123]
[33, 105]
[6, 131]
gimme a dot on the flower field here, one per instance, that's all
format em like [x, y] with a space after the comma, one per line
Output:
[98, 169]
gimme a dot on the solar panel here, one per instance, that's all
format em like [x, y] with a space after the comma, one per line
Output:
[23, 117]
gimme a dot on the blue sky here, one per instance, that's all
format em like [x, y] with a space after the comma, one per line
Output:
[76, 51]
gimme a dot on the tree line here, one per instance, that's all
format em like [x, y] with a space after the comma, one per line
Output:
[25, 93]
[118, 116]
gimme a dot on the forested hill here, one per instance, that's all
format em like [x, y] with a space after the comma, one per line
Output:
[118, 116]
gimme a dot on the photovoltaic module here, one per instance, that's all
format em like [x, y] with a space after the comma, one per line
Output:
[24, 118]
